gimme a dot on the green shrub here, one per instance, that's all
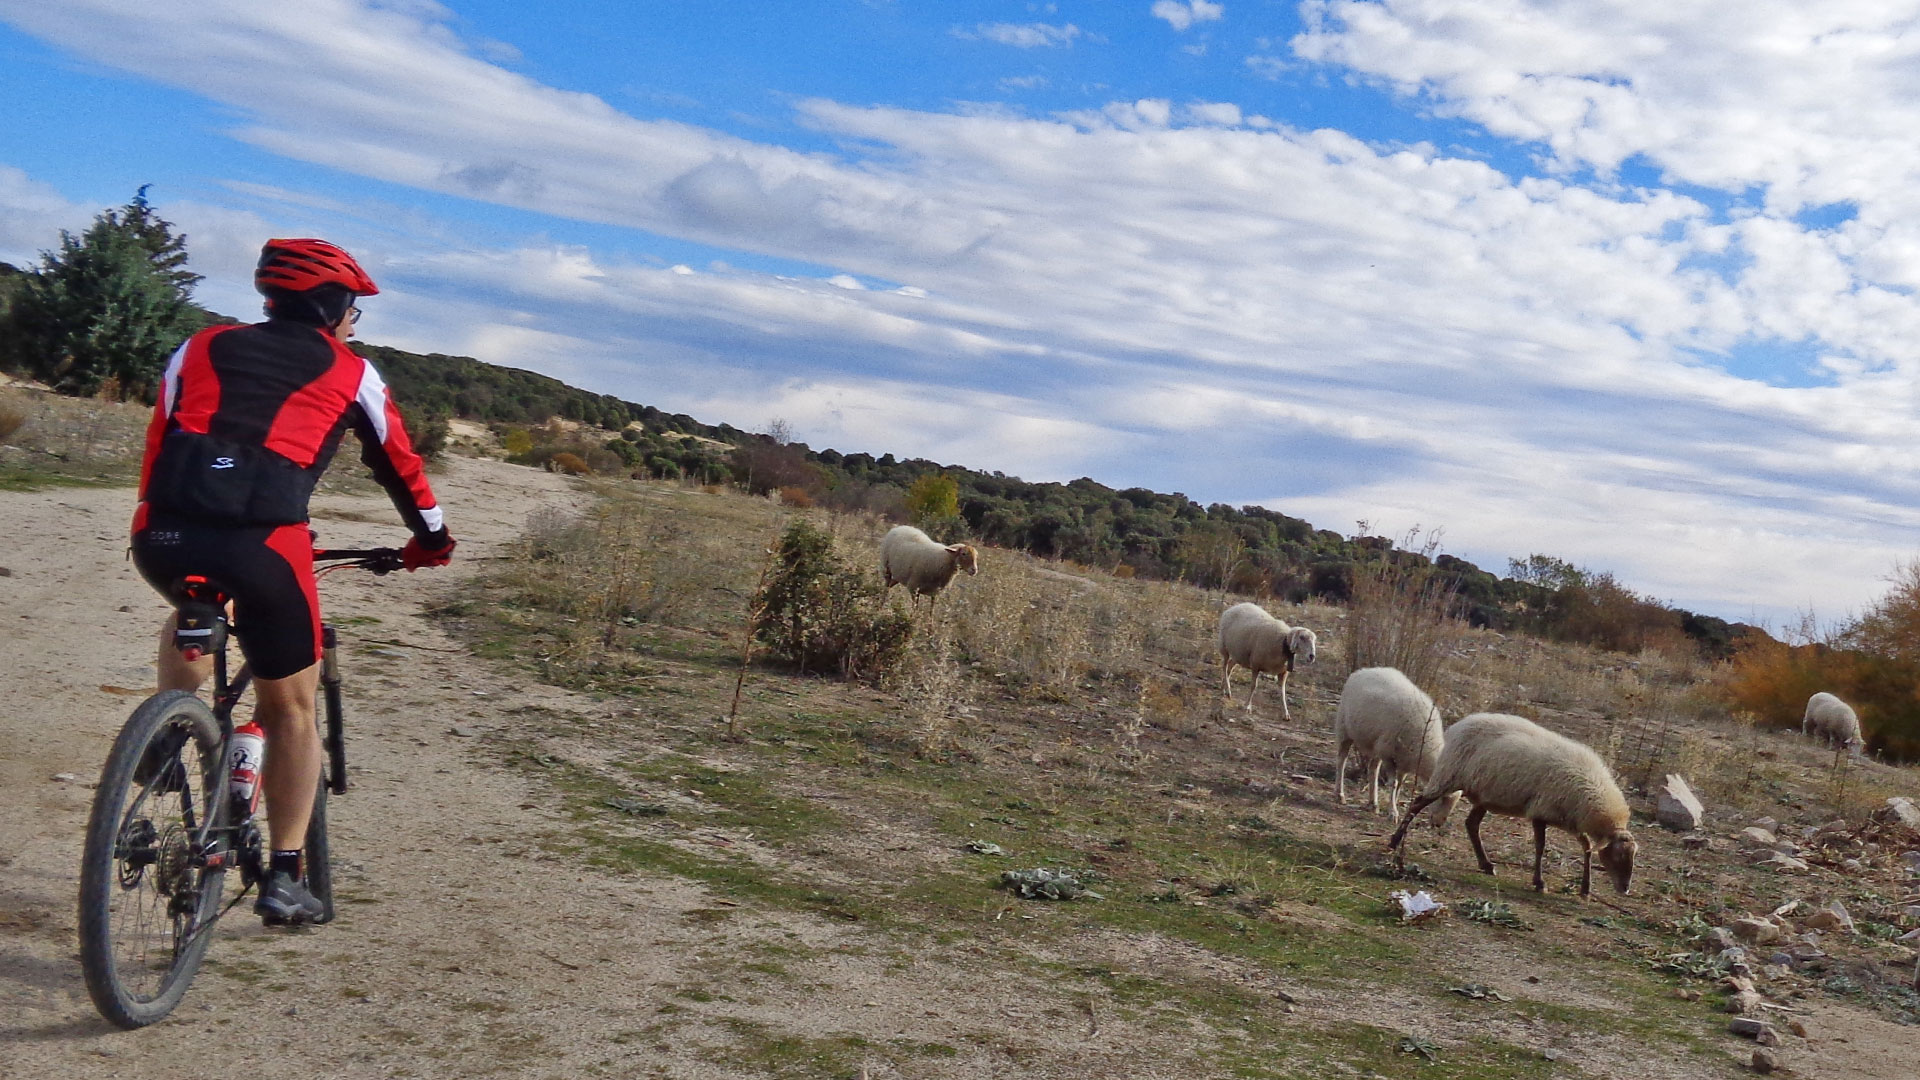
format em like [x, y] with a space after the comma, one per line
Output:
[820, 613]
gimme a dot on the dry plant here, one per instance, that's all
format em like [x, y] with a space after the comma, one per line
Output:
[935, 689]
[13, 415]
[1402, 615]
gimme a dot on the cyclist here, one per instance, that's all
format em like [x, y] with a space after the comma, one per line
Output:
[248, 418]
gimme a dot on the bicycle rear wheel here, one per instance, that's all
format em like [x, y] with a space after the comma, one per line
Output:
[147, 900]
[316, 866]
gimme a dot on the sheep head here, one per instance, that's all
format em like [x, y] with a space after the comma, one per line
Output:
[965, 557]
[1617, 858]
[1302, 646]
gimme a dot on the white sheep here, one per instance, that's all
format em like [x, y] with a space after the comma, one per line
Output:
[1833, 722]
[1513, 766]
[910, 557]
[1388, 720]
[1255, 640]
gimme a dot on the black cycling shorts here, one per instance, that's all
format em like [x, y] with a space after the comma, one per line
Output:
[266, 569]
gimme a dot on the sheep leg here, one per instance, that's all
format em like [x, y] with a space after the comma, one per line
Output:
[1373, 787]
[1226, 677]
[1473, 834]
[1586, 863]
[1340, 771]
[1540, 852]
[1393, 795]
[1255, 686]
[1285, 714]
[1400, 834]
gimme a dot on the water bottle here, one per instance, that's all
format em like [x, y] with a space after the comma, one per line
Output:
[246, 753]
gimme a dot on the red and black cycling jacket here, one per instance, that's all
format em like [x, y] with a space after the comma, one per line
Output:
[250, 416]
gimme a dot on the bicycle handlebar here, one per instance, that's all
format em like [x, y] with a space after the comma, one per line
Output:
[384, 560]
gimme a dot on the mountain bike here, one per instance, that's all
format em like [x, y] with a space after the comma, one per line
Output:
[165, 828]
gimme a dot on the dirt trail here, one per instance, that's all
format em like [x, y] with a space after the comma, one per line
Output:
[463, 947]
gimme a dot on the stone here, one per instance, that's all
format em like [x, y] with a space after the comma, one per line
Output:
[1677, 807]
[1697, 842]
[1799, 1027]
[1764, 1061]
[64, 778]
[1758, 1030]
[1766, 823]
[1852, 866]
[1912, 859]
[1756, 836]
[1900, 810]
[1758, 931]
[1784, 863]
[1719, 939]
[1743, 1003]
[1843, 918]
[1783, 959]
[462, 731]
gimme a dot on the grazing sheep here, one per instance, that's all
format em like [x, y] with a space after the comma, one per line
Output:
[1263, 645]
[1515, 767]
[1389, 721]
[1833, 722]
[910, 557]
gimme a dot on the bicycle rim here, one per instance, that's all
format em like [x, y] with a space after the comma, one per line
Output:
[145, 906]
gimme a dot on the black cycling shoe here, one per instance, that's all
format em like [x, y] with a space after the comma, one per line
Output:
[285, 901]
[160, 767]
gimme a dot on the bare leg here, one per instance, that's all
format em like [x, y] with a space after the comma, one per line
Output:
[173, 670]
[1473, 834]
[1340, 771]
[1400, 834]
[1540, 852]
[284, 709]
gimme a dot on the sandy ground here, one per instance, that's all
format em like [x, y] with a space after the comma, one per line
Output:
[463, 948]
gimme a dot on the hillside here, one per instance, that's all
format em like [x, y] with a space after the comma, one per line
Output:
[1248, 549]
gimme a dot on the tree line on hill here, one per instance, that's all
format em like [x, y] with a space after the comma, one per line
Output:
[101, 313]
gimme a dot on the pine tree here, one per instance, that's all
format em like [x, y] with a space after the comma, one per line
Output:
[111, 303]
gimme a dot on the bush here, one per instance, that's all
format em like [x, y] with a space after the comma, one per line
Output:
[571, 464]
[1402, 616]
[822, 614]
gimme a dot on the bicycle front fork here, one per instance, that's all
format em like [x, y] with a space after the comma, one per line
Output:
[336, 737]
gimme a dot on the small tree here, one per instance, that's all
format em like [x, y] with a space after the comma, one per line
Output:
[111, 303]
[933, 499]
[819, 613]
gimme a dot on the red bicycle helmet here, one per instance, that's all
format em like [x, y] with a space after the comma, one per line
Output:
[299, 265]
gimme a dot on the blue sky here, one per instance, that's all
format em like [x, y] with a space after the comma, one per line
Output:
[1628, 284]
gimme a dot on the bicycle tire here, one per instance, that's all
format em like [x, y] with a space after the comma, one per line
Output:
[145, 910]
[316, 866]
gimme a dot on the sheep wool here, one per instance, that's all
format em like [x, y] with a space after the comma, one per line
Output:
[1384, 718]
[1252, 639]
[1832, 721]
[1510, 765]
[910, 557]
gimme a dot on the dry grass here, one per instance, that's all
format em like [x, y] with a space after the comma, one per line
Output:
[48, 438]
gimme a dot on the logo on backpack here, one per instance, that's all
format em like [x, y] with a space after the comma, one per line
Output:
[223, 463]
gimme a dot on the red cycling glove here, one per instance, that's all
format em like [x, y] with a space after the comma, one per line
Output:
[436, 550]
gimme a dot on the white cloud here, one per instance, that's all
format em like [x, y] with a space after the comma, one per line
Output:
[1023, 35]
[1181, 15]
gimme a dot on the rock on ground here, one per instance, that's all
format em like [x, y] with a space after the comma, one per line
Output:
[1678, 808]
